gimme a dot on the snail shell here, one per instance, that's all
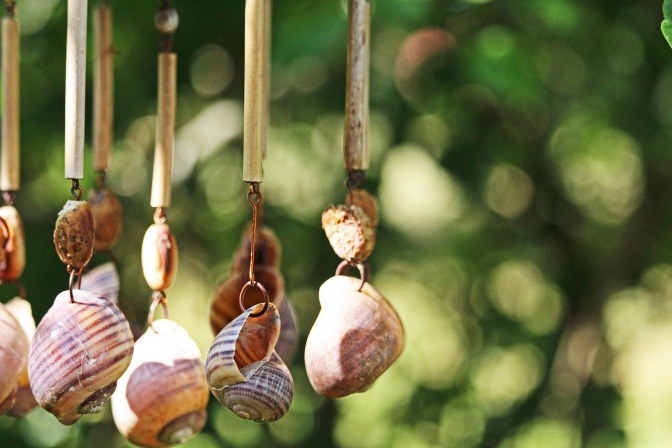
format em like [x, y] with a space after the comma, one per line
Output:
[15, 248]
[356, 337]
[161, 399]
[79, 351]
[350, 233]
[25, 401]
[289, 333]
[267, 250]
[159, 257]
[107, 217]
[225, 306]
[366, 201]
[244, 372]
[74, 234]
[103, 280]
[13, 356]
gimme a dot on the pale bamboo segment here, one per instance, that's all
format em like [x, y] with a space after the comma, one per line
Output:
[165, 131]
[267, 70]
[103, 93]
[255, 110]
[356, 141]
[9, 151]
[75, 89]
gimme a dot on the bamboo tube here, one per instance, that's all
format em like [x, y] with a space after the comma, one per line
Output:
[9, 151]
[75, 89]
[267, 69]
[255, 110]
[165, 131]
[356, 141]
[103, 97]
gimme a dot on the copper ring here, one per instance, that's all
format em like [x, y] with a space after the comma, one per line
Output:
[158, 297]
[362, 266]
[241, 297]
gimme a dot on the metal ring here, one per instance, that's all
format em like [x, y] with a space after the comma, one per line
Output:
[362, 266]
[158, 297]
[76, 190]
[241, 297]
[71, 284]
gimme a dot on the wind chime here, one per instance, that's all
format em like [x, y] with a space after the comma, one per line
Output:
[243, 367]
[162, 398]
[357, 335]
[17, 325]
[84, 343]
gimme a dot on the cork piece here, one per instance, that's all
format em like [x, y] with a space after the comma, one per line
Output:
[350, 232]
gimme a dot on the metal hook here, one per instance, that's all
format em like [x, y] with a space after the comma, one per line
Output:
[71, 284]
[76, 190]
[158, 297]
[260, 287]
[363, 268]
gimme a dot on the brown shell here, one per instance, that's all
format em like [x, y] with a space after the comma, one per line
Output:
[79, 351]
[225, 306]
[267, 250]
[161, 399]
[13, 356]
[74, 234]
[107, 217]
[350, 233]
[25, 401]
[356, 337]
[366, 201]
[159, 257]
[15, 248]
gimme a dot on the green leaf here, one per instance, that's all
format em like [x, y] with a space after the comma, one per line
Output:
[666, 28]
[667, 9]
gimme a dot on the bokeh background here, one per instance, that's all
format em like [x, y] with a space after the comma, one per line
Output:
[521, 152]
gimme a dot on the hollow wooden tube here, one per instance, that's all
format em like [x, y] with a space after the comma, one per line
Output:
[75, 89]
[267, 70]
[255, 109]
[165, 131]
[9, 151]
[103, 96]
[356, 141]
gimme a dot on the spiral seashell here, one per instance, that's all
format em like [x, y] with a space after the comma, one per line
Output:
[243, 371]
[25, 401]
[225, 306]
[356, 337]
[13, 356]
[350, 233]
[15, 247]
[102, 280]
[159, 257]
[267, 250]
[161, 399]
[74, 234]
[289, 332]
[107, 217]
[79, 351]
[366, 201]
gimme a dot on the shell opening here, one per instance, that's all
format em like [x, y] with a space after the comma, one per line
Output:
[183, 427]
[96, 402]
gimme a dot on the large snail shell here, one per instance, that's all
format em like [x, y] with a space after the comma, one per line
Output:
[244, 372]
[103, 280]
[289, 332]
[74, 234]
[366, 201]
[15, 249]
[161, 399]
[79, 351]
[23, 313]
[159, 257]
[225, 306]
[13, 355]
[350, 233]
[356, 337]
[267, 250]
[107, 217]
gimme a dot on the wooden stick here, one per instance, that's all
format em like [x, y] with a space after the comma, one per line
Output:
[9, 151]
[103, 97]
[267, 70]
[255, 110]
[75, 89]
[356, 142]
[165, 131]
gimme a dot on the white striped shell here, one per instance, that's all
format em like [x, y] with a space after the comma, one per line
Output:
[356, 337]
[102, 280]
[79, 351]
[161, 399]
[25, 401]
[13, 355]
[244, 372]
